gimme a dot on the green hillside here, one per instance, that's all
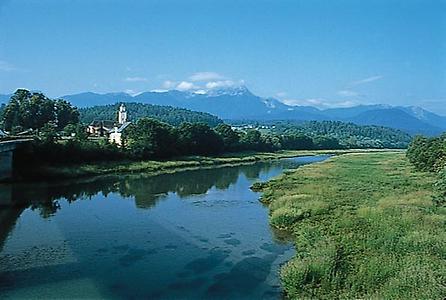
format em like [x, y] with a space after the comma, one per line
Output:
[349, 134]
[167, 114]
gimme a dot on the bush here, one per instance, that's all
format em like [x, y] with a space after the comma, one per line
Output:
[439, 198]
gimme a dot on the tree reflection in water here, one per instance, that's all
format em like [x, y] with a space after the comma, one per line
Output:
[146, 190]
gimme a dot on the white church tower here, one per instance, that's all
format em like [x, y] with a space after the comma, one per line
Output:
[122, 115]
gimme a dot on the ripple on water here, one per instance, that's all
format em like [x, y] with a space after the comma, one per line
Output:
[245, 276]
[233, 242]
[248, 252]
[135, 255]
[201, 265]
[275, 248]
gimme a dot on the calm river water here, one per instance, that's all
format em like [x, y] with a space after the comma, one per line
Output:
[191, 235]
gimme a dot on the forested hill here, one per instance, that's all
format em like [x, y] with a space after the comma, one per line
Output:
[349, 134]
[167, 114]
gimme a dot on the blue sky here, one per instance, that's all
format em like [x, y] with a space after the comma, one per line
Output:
[322, 53]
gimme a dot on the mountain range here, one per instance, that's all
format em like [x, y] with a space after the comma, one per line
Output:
[238, 103]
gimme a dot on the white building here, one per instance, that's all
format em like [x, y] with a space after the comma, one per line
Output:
[115, 134]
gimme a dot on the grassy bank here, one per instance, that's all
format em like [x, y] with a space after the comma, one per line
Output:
[364, 227]
[158, 167]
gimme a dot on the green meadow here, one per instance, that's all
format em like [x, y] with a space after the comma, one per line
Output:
[364, 226]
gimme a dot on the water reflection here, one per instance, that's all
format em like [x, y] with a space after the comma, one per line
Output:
[146, 190]
[199, 233]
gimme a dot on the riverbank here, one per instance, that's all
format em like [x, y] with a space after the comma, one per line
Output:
[364, 226]
[45, 172]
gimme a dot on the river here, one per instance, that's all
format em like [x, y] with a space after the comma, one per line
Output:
[190, 235]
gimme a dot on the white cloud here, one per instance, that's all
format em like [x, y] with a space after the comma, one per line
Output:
[281, 94]
[348, 93]
[135, 79]
[206, 76]
[366, 80]
[319, 103]
[200, 92]
[159, 91]
[303, 102]
[185, 86]
[200, 83]
[346, 103]
[168, 84]
[219, 84]
[131, 92]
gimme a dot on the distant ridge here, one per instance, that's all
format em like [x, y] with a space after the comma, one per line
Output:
[396, 118]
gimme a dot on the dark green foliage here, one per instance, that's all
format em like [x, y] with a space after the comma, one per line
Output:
[325, 142]
[251, 140]
[349, 135]
[199, 138]
[71, 152]
[429, 154]
[136, 111]
[149, 138]
[48, 133]
[297, 142]
[230, 137]
[65, 113]
[27, 110]
[440, 188]
[78, 131]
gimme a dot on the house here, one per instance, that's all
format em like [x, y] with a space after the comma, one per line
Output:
[100, 128]
[111, 129]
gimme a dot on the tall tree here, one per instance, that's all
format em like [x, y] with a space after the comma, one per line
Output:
[199, 138]
[149, 138]
[27, 110]
[230, 137]
[66, 114]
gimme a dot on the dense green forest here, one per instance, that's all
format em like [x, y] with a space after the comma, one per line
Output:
[429, 154]
[349, 135]
[136, 111]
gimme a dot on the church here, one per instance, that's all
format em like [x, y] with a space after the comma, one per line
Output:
[110, 129]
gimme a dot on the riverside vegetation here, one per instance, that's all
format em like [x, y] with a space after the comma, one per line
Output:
[63, 146]
[364, 225]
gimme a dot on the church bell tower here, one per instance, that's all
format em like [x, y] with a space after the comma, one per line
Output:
[122, 115]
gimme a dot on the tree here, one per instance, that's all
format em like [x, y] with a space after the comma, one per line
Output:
[251, 140]
[428, 154]
[149, 138]
[297, 142]
[11, 113]
[324, 142]
[48, 133]
[27, 110]
[230, 137]
[66, 114]
[199, 138]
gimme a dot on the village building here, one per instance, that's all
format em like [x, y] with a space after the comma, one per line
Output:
[112, 130]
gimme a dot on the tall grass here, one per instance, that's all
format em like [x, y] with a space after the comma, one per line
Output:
[364, 226]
